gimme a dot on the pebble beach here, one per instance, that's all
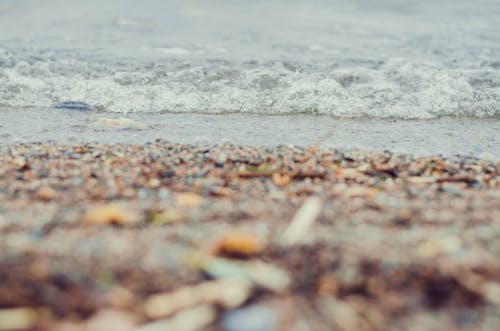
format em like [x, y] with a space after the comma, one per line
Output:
[228, 165]
[165, 236]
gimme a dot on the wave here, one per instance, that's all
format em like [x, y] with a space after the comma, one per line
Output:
[389, 88]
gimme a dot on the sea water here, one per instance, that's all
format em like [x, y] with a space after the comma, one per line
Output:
[412, 76]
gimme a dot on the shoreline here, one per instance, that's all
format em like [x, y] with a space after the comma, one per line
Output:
[444, 136]
[95, 234]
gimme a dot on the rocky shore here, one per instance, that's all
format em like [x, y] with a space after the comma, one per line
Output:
[165, 236]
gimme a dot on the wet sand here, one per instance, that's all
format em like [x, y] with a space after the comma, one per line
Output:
[442, 136]
[186, 237]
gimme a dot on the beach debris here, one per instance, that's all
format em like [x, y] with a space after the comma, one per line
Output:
[73, 105]
[188, 199]
[109, 214]
[111, 320]
[252, 318]
[227, 293]
[194, 319]
[302, 221]
[17, 319]
[122, 122]
[237, 244]
[259, 273]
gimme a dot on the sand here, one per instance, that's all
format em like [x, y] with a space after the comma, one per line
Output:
[190, 237]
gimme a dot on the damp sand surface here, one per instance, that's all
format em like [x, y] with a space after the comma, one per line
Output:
[445, 136]
[203, 237]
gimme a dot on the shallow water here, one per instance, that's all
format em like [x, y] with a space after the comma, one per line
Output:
[446, 136]
[383, 59]
[421, 77]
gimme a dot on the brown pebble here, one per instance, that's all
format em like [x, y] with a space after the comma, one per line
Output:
[188, 199]
[45, 193]
[111, 320]
[236, 244]
[281, 180]
[109, 214]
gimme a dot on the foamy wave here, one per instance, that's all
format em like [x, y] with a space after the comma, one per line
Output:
[397, 88]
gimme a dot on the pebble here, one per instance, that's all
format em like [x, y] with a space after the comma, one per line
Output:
[188, 199]
[228, 293]
[17, 319]
[238, 244]
[180, 201]
[253, 318]
[45, 194]
[111, 320]
[194, 319]
[74, 105]
[109, 214]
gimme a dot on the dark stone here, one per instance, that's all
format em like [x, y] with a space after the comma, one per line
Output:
[74, 105]
[167, 174]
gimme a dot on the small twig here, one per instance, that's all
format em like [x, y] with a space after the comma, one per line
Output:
[457, 179]
[302, 221]
[248, 174]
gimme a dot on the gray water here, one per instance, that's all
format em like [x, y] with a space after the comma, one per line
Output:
[445, 136]
[350, 64]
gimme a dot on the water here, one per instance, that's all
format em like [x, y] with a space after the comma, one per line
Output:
[446, 136]
[370, 62]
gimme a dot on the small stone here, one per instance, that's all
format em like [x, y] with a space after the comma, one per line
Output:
[45, 193]
[153, 183]
[281, 180]
[194, 319]
[188, 199]
[237, 245]
[109, 214]
[253, 318]
[74, 105]
[111, 320]
[167, 174]
[260, 273]
[17, 319]
[120, 297]
[228, 293]
[167, 216]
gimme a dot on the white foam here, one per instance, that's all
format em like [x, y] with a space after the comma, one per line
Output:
[397, 88]
[414, 59]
